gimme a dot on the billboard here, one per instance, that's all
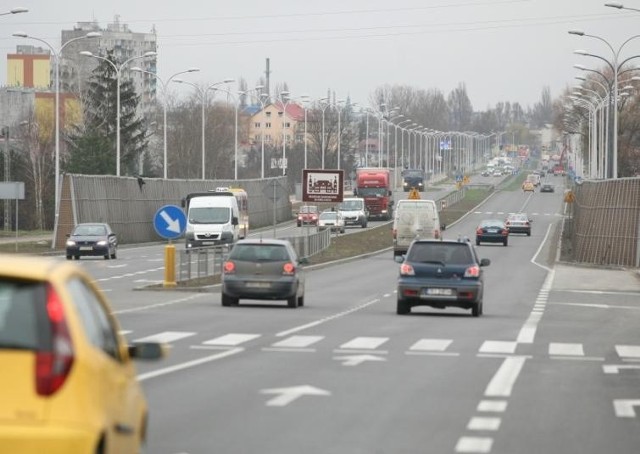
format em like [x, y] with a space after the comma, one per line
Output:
[322, 185]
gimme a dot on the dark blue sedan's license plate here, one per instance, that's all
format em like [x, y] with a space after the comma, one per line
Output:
[437, 292]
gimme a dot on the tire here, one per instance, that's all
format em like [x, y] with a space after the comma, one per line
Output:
[403, 308]
[106, 257]
[113, 256]
[476, 310]
[505, 243]
[77, 257]
[228, 301]
[292, 302]
[342, 230]
[477, 242]
[301, 301]
[529, 233]
[68, 257]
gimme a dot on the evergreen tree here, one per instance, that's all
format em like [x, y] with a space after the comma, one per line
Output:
[93, 145]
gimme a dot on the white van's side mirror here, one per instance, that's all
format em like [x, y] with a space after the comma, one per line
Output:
[234, 220]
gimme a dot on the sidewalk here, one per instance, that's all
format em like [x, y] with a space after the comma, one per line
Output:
[579, 277]
[25, 239]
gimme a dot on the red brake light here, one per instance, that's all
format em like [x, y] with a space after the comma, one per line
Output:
[53, 366]
[288, 269]
[472, 271]
[229, 267]
[406, 270]
[479, 231]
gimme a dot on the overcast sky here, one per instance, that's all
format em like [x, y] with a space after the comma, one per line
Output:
[503, 50]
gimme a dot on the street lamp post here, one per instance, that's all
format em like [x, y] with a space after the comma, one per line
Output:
[284, 100]
[323, 138]
[56, 55]
[203, 95]
[118, 70]
[164, 105]
[235, 140]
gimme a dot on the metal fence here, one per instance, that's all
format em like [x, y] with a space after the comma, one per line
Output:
[605, 222]
[204, 262]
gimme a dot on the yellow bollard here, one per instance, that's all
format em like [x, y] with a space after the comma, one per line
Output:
[169, 266]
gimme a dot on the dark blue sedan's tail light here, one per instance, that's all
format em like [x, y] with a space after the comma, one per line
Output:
[406, 270]
[472, 271]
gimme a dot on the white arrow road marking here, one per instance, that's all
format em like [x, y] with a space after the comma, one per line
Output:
[288, 395]
[354, 360]
[616, 368]
[173, 224]
[624, 407]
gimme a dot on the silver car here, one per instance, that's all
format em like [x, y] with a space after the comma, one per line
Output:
[263, 269]
[331, 220]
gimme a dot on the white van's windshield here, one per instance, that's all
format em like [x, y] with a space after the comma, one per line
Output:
[209, 215]
[351, 205]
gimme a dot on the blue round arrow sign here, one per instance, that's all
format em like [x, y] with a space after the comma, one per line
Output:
[169, 221]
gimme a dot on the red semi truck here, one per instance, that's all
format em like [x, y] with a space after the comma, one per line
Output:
[374, 186]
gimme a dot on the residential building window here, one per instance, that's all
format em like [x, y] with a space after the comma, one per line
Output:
[257, 124]
[257, 138]
[279, 114]
[268, 114]
[267, 138]
[287, 125]
[267, 125]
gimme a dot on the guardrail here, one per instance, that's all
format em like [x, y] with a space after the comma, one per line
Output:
[198, 263]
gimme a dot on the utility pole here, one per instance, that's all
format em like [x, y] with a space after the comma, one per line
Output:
[7, 177]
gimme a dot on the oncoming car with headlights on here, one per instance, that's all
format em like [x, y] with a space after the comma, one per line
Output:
[263, 269]
[441, 274]
[92, 239]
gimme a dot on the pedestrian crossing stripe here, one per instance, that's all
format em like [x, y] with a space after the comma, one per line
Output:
[428, 346]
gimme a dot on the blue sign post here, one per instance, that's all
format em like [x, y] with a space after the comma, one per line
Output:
[169, 222]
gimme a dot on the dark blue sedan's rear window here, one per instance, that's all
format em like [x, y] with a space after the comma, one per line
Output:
[451, 253]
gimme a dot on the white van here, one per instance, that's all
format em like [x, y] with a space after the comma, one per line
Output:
[354, 211]
[212, 219]
[414, 219]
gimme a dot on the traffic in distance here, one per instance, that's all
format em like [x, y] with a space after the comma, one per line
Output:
[437, 268]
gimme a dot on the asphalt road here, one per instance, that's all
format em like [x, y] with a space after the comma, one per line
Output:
[552, 367]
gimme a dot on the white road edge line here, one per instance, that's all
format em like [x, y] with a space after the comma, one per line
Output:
[535, 256]
[188, 364]
[154, 306]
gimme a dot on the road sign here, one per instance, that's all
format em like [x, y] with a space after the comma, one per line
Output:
[322, 185]
[414, 194]
[169, 221]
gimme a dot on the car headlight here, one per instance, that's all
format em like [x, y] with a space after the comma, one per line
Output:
[71, 243]
[102, 243]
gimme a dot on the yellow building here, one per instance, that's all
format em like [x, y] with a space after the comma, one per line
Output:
[29, 70]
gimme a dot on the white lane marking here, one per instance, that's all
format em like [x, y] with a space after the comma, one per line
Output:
[148, 281]
[104, 279]
[484, 423]
[474, 444]
[298, 341]
[167, 303]
[601, 292]
[616, 368]
[431, 345]
[528, 331]
[117, 266]
[624, 407]
[598, 306]
[628, 351]
[563, 349]
[364, 343]
[355, 360]
[326, 319]
[232, 339]
[502, 382]
[188, 364]
[166, 337]
[498, 347]
[495, 406]
[542, 243]
[124, 332]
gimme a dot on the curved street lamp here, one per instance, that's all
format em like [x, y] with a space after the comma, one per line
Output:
[118, 70]
[56, 54]
[164, 105]
[15, 11]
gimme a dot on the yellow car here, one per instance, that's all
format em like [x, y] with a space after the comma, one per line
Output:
[528, 186]
[67, 380]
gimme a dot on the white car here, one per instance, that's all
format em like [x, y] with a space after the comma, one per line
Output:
[331, 220]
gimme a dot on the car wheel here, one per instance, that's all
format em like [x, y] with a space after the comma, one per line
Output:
[477, 242]
[529, 233]
[68, 257]
[403, 308]
[301, 300]
[113, 256]
[299, 224]
[106, 257]
[292, 302]
[77, 257]
[228, 301]
[505, 243]
[476, 310]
